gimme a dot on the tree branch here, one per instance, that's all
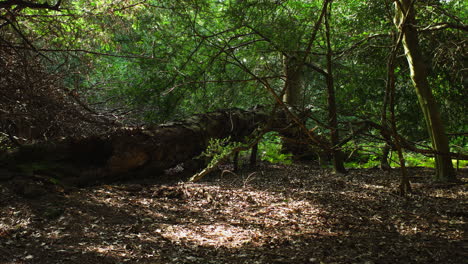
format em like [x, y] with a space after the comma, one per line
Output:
[440, 26]
[27, 4]
[315, 30]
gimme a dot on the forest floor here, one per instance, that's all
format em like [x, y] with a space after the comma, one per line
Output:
[272, 214]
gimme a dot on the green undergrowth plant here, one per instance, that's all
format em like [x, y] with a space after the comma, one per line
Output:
[270, 148]
[218, 150]
[359, 155]
[369, 156]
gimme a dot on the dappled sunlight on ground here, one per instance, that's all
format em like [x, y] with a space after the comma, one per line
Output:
[216, 235]
[293, 214]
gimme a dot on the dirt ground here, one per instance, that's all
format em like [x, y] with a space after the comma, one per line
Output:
[271, 214]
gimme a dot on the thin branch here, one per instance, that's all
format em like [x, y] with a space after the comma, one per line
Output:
[316, 68]
[440, 26]
[25, 39]
[341, 53]
[267, 39]
[315, 30]
[4, 24]
[314, 138]
[224, 81]
[257, 136]
[27, 4]
[89, 52]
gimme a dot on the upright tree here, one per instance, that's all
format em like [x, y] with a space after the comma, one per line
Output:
[405, 21]
[331, 99]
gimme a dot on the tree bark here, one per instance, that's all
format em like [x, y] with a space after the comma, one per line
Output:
[294, 139]
[139, 151]
[294, 86]
[384, 164]
[405, 186]
[338, 164]
[406, 22]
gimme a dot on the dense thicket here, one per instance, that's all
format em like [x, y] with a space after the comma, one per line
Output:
[153, 61]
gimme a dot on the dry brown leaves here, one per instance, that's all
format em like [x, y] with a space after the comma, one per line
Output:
[275, 214]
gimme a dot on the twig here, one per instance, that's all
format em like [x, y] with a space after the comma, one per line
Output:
[198, 176]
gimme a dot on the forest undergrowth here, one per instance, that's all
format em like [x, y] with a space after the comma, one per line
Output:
[271, 214]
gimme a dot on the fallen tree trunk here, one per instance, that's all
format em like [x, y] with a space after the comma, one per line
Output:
[167, 145]
[137, 151]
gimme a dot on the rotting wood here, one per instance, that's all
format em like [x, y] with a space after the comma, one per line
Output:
[145, 151]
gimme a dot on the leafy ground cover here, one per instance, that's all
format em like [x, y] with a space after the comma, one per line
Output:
[273, 214]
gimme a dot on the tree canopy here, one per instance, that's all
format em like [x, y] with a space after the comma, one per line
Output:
[233, 131]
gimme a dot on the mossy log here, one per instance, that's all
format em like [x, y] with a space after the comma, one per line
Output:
[164, 146]
[136, 151]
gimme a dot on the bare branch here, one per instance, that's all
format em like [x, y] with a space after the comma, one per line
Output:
[440, 26]
[27, 4]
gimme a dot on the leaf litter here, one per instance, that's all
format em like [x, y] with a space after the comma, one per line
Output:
[273, 214]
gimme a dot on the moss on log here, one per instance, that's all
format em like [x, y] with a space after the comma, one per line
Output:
[134, 151]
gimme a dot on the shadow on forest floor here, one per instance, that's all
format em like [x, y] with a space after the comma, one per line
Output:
[274, 214]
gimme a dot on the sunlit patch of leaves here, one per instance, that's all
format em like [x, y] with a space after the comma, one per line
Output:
[293, 214]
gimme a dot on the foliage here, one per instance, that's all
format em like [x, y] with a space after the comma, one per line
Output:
[270, 149]
[369, 157]
[158, 60]
[218, 150]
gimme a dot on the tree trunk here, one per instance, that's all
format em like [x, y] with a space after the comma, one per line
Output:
[338, 164]
[138, 152]
[384, 164]
[294, 140]
[405, 21]
[253, 156]
[405, 186]
[294, 85]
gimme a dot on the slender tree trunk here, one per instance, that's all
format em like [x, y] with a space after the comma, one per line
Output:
[338, 164]
[384, 164]
[253, 155]
[405, 186]
[405, 21]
